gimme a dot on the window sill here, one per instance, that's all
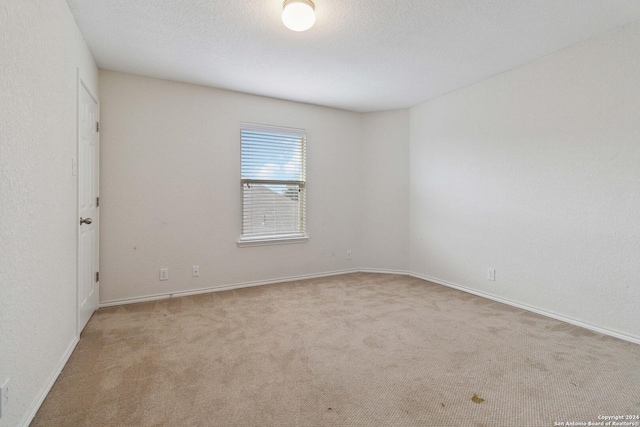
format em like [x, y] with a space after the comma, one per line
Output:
[275, 240]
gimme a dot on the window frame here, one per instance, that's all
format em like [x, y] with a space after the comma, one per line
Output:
[276, 238]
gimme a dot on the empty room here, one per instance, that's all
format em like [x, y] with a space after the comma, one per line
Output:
[319, 213]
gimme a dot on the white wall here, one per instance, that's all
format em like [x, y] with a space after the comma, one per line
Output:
[385, 187]
[170, 187]
[40, 50]
[536, 173]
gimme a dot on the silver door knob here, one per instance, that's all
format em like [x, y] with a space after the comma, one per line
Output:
[85, 221]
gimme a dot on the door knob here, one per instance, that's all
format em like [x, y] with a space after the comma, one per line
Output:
[85, 221]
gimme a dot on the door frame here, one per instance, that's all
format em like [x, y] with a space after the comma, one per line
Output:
[81, 85]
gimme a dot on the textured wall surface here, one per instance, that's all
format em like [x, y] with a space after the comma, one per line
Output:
[170, 189]
[40, 50]
[385, 188]
[536, 173]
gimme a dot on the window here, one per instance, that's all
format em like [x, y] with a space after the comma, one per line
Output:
[273, 184]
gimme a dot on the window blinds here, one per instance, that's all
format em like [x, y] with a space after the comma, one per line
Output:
[273, 181]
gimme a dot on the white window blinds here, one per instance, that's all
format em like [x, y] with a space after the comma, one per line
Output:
[273, 182]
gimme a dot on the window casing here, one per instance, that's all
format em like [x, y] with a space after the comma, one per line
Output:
[273, 180]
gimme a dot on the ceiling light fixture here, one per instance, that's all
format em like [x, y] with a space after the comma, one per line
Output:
[298, 15]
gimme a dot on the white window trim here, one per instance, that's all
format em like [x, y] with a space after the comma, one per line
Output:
[273, 239]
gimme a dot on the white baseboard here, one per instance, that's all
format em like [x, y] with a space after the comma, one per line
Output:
[542, 312]
[31, 413]
[545, 313]
[385, 271]
[220, 288]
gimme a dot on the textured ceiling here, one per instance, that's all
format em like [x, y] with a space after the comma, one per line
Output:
[361, 55]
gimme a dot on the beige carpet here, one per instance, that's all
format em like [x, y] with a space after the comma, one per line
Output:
[352, 350]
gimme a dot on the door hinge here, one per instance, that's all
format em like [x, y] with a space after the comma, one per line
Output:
[97, 276]
[97, 202]
[97, 126]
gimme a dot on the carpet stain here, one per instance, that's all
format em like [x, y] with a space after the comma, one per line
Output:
[477, 399]
[371, 342]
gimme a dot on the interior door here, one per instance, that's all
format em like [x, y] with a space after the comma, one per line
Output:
[88, 202]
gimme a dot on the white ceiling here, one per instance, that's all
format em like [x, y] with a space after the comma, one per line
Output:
[361, 55]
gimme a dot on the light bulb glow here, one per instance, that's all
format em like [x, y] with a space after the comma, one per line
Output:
[298, 15]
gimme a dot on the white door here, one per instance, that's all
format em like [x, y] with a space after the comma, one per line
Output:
[88, 202]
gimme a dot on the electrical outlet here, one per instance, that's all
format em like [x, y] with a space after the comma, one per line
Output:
[4, 397]
[164, 273]
[349, 254]
[491, 274]
[195, 271]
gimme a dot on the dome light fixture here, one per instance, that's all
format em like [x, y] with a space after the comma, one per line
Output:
[298, 15]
